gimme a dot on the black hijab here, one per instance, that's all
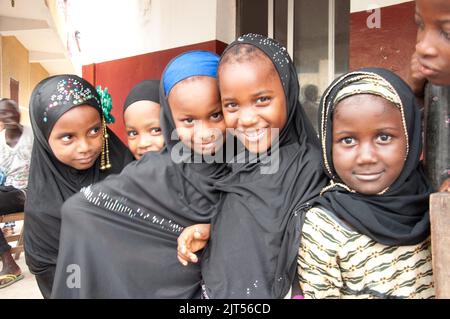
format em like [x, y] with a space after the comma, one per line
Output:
[398, 216]
[255, 237]
[50, 181]
[123, 231]
[147, 90]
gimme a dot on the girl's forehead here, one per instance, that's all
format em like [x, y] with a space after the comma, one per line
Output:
[259, 65]
[365, 111]
[79, 114]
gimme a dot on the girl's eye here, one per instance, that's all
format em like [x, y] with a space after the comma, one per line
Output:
[216, 116]
[418, 22]
[263, 100]
[231, 105]
[66, 138]
[384, 138]
[446, 35]
[132, 133]
[348, 141]
[94, 131]
[155, 130]
[189, 121]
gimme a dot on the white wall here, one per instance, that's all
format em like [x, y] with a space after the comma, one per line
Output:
[113, 29]
[226, 21]
[363, 5]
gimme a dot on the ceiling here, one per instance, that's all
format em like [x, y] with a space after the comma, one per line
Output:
[31, 23]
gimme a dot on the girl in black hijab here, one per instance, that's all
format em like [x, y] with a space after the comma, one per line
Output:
[122, 233]
[73, 148]
[368, 233]
[141, 113]
[255, 236]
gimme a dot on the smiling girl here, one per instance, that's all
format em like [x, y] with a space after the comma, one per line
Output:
[367, 235]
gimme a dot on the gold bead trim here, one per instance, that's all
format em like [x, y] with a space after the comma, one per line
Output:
[329, 105]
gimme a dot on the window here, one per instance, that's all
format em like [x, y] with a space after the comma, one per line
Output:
[251, 17]
[316, 34]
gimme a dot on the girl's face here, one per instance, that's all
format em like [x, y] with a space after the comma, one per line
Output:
[143, 128]
[369, 144]
[433, 39]
[196, 110]
[76, 139]
[253, 101]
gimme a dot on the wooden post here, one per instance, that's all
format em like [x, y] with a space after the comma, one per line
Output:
[437, 134]
[440, 242]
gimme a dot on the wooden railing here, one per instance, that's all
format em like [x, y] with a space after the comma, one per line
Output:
[440, 242]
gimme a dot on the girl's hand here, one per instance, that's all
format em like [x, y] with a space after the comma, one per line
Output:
[416, 79]
[445, 187]
[191, 240]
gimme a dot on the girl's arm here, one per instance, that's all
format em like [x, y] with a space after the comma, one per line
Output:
[318, 268]
[191, 240]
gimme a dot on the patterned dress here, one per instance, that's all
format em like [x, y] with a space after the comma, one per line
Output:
[15, 161]
[337, 262]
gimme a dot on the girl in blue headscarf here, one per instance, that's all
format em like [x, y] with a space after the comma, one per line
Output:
[119, 237]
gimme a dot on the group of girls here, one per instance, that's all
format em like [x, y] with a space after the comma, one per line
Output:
[342, 215]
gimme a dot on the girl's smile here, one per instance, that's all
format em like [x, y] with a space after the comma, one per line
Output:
[253, 101]
[369, 144]
[195, 105]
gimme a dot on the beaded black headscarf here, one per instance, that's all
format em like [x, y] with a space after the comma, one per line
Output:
[399, 214]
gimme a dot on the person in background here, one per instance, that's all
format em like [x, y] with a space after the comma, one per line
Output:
[16, 142]
[310, 105]
[431, 63]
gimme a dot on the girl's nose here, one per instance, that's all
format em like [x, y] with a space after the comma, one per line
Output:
[207, 134]
[83, 146]
[145, 141]
[247, 117]
[367, 154]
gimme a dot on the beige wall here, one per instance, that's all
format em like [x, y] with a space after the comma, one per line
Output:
[15, 64]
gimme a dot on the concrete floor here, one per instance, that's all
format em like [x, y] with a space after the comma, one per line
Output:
[23, 289]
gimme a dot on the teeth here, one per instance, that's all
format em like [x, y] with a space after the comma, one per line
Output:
[254, 135]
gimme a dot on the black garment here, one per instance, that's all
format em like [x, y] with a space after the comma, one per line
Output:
[400, 215]
[123, 232]
[147, 90]
[52, 182]
[11, 201]
[255, 237]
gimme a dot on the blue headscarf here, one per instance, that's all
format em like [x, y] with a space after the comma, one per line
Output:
[183, 66]
[192, 63]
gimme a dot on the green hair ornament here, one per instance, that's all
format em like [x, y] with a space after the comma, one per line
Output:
[106, 104]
